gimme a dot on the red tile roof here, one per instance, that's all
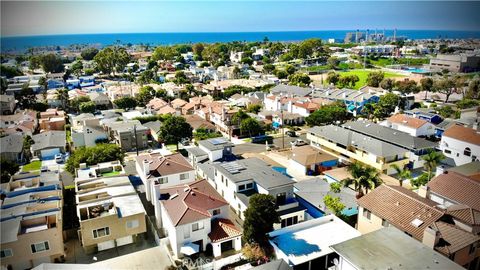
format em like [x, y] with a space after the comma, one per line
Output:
[454, 238]
[456, 187]
[463, 134]
[223, 229]
[165, 165]
[405, 120]
[191, 202]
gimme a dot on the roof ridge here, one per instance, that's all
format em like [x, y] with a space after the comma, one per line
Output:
[416, 199]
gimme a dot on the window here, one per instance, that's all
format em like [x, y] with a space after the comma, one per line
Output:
[6, 253]
[281, 198]
[215, 172]
[186, 232]
[197, 226]
[132, 224]
[216, 212]
[367, 214]
[467, 152]
[183, 176]
[385, 223]
[39, 247]
[289, 221]
[222, 178]
[249, 186]
[447, 151]
[241, 187]
[226, 182]
[102, 232]
[471, 249]
[162, 180]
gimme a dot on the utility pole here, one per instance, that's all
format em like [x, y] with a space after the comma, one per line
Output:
[135, 135]
[283, 133]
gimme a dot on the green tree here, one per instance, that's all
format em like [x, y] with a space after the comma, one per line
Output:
[203, 134]
[387, 84]
[165, 53]
[3, 85]
[363, 178]
[445, 111]
[300, 79]
[426, 84]
[174, 129]
[333, 78]
[334, 204]
[112, 59]
[239, 116]
[75, 103]
[333, 62]
[125, 103]
[387, 104]
[247, 61]
[420, 181]
[77, 68]
[250, 126]
[145, 94]
[87, 107]
[336, 187]
[94, 155]
[375, 78]
[254, 108]
[198, 49]
[281, 74]
[432, 159]
[260, 216]
[25, 98]
[9, 72]
[473, 90]
[180, 78]
[290, 69]
[62, 95]
[467, 103]
[9, 168]
[51, 63]
[268, 68]
[407, 86]
[402, 174]
[89, 53]
[327, 114]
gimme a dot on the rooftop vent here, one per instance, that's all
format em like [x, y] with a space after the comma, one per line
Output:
[417, 223]
[174, 196]
[187, 189]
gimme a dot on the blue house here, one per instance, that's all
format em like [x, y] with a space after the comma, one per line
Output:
[353, 99]
[427, 115]
[53, 84]
[86, 81]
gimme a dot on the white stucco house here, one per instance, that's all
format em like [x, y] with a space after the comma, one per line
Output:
[462, 144]
[414, 126]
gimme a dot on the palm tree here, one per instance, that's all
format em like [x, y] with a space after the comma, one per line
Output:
[363, 178]
[402, 173]
[432, 158]
[62, 95]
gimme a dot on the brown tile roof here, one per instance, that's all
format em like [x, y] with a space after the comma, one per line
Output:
[308, 105]
[165, 165]
[458, 188]
[223, 229]
[197, 122]
[191, 203]
[453, 238]
[156, 103]
[178, 103]
[307, 155]
[465, 214]
[464, 134]
[405, 120]
[400, 206]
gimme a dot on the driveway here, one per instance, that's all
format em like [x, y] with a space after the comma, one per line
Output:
[279, 144]
[248, 147]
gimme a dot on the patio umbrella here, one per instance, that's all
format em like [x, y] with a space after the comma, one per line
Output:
[189, 249]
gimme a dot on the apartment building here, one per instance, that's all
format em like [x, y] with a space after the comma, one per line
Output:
[31, 221]
[238, 180]
[7, 104]
[456, 62]
[129, 134]
[416, 127]
[350, 146]
[462, 144]
[421, 218]
[194, 216]
[108, 208]
[52, 119]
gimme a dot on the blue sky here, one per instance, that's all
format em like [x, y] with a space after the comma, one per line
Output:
[72, 17]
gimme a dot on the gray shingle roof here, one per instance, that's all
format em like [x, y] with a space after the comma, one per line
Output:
[153, 125]
[257, 170]
[196, 151]
[347, 138]
[215, 143]
[390, 135]
[12, 143]
[49, 139]
[291, 90]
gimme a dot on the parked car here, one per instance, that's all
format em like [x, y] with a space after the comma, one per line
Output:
[185, 142]
[262, 139]
[58, 158]
[291, 133]
[298, 142]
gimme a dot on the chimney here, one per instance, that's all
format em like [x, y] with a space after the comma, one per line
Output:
[430, 237]
[423, 191]
[146, 168]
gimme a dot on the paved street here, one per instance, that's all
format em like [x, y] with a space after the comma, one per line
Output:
[248, 147]
[278, 141]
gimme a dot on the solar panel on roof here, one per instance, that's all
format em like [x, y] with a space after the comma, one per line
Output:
[233, 167]
[217, 141]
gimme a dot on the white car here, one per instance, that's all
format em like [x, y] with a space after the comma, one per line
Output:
[298, 142]
[58, 158]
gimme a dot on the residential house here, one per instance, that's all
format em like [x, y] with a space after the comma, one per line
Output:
[52, 119]
[129, 134]
[420, 218]
[310, 160]
[196, 122]
[238, 180]
[86, 81]
[350, 146]
[110, 212]
[87, 135]
[353, 99]
[12, 148]
[428, 115]
[386, 248]
[119, 90]
[307, 245]
[7, 104]
[461, 144]
[48, 144]
[100, 99]
[414, 126]
[417, 147]
[210, 150]
[31, 221]
[24, 122]
[194, 216]
[290, 90]
[84, 119]
[158, 171]
[286, 118]
[154, 129]
[310, 193]
[337, 175]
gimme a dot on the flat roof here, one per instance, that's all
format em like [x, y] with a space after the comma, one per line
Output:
[311, 239]
[389, 248]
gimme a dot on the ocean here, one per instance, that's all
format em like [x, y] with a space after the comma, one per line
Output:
[25, 42]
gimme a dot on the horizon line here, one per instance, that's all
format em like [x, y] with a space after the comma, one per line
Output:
[228, 32]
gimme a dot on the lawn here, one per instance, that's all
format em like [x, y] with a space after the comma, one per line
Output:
[362, 75]
[110, 174]
[32, 166]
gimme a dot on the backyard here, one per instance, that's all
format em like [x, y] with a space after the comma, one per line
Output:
[32, 166]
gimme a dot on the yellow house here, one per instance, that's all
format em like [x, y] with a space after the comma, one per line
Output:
[351, 146]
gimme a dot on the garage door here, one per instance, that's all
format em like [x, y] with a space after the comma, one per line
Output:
[106, 245]
[49, 153]
[124, 240]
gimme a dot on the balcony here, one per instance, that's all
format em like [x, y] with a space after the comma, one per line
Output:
[38, 224]
[97, 211]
